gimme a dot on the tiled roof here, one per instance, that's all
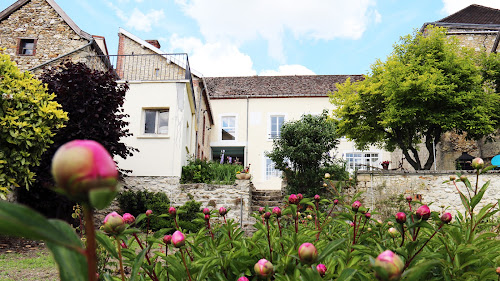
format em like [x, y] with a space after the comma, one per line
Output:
[274, 86]
[474, 14]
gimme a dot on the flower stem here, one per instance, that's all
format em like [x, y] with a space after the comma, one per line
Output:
[185, 265]
[269, 242]
[120, 257]
[421, 248]
[88, 214]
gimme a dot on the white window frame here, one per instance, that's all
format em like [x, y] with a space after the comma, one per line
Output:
[156, 127]
[362, 160]
[235, 116]
[269, 169]
[270, 136]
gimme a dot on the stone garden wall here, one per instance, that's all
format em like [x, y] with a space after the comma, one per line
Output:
[383, 189]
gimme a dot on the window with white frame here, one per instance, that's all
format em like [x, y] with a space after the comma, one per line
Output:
[156, 121]
[228, 127]
[361, 160]
[271, 171]
[276, 122]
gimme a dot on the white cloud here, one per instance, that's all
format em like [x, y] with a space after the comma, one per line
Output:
[452, 6]
[144, 22]
[241, 21]
[213, 59]
[291, 69]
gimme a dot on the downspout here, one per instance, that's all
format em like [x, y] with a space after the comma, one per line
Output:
[246, 149]
[196, 153]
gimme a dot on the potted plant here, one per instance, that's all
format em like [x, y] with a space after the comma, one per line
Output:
[385, 164]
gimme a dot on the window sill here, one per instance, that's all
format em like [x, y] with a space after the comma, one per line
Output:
[153, 137]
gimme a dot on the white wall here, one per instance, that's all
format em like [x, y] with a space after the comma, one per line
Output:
[159, 155]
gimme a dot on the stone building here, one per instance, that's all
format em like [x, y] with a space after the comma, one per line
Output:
[38, 33]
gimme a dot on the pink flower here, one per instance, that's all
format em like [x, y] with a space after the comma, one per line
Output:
[335, 202]
[446, 218]
[80, 166]
[321, 268]
[389, 264]
[222, 211]
[242, 278]
[172, 211]
[401, 217]
[308, 253]
[263, 268]
[148, 213]
[277, 211]
[167, 239]
[300, 196]
[351, 224]
[498, 270]
[409, 198]
[317, 197]
[262, 210]
[393, 232]
[292, 199]
[113, 224]
[178, 239]
[355, 206]
[423, 212]
[128, 218]
[477, 163]
[368, 215]
[206, 211]
[267, 215]
[207, 217]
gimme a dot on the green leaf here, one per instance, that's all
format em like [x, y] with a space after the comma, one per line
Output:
[418, 271]
[347, 274]
[102, 197]
[477, 198]
[137, 264]
[107, 243]
[332, 246]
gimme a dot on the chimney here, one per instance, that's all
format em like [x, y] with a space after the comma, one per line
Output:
[154, 43]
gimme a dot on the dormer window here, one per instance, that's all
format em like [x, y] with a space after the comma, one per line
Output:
[26, 47]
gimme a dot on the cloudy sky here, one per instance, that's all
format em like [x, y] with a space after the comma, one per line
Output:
[265, 37]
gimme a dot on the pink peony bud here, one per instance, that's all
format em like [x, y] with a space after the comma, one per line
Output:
[123, 245]
[263, 268]
[390, 223]
[446, 218]
[222, 211]
[267, 215]
[390, 264]
[463, 177]
[80, 166]
[207, 217]
[498, 270]
[368, 215]
[423, 212]
[351, 224]
[242, 278]
[178, 239]
[452, 178]
[149, 213]
[277, 211]
[355, 206]
[292, 199]
[128, 218]
[477, 163]
[172, 211]
[206, 211]
[300, 196]
[113, 224]
[167, 239]
[309, 217]
[401, 217]
[393, 232]
[321, 268]
[317, 197]
[335, 202]
[409, 198]
[308, 253]
[262, 210]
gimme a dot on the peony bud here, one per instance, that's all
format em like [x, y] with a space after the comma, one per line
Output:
[324, 184]
[222, 211]
[477, 163]
[321, 268]
[149, 213]
[300, 196]
[113, 224]
[423, 212]
[379, 222]
[81, 166]
[262, 210]
[393, 232]
[409, 198]
[463, 177]
[242, 278]
[172, 211]
[267, 215]
[369, 229]
[351, 224]
[390, 223]
[206, 211]
[446, 218]
[401, 217]
[309, 217]
[452, 178]
[167, 239]
[123, 245]
[308, 253]
[355, 206]
[128, 218]
[327, 176]
[317, 197]
[263, 268]
[390, 264]
[207, 217]
[368, 216]
[498, 270]
[277, 211]
[178, 239]
[292, 199]
[335, 202]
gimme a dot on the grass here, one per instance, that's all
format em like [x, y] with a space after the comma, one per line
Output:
[32, 266]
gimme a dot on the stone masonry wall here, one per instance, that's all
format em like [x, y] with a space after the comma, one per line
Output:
[210, 195]
[38, 20]
[383, 188]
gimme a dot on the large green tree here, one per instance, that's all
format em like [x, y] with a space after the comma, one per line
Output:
[427, 86]
[303, 149]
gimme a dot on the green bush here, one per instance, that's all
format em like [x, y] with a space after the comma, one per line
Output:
[202, 171]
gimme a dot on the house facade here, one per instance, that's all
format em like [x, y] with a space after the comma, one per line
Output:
[249, 112]
[38, 33]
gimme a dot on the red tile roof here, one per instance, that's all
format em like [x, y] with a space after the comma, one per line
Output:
[274, 86]
[474, 14]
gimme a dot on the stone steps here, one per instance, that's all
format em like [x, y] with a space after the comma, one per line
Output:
[266, 198]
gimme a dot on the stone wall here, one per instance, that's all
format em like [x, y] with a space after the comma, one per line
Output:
[383, 189]
[210, 195]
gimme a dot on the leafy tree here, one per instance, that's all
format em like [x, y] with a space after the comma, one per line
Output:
[29, 116]
[427, 86]
[94, 102]
[302, 150]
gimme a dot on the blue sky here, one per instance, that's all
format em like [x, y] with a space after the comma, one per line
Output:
[265, 37]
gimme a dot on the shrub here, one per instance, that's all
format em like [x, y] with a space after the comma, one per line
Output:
[203, 171]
